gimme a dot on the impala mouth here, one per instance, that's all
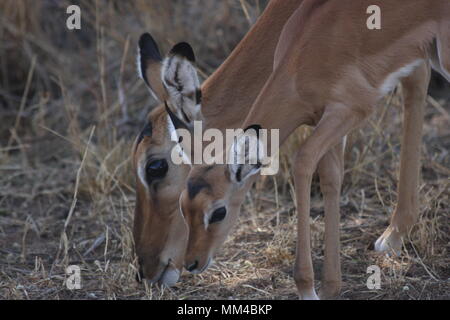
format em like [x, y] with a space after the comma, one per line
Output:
[167, 276]
[205, 266]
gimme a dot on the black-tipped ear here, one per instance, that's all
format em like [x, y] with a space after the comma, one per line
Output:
[148, 48]
[149, 65]
[246, 154]
[183, 49]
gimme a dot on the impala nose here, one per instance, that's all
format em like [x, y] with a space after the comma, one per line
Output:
[193, 266]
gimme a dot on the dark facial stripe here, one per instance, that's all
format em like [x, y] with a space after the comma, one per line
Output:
[207, 169]
[146, 132]
[177, 79]
[238, 174]
[177, 123]
[186, 118]
[198, 96]
[195, 186]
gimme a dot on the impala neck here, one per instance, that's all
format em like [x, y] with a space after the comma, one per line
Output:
[230, 91]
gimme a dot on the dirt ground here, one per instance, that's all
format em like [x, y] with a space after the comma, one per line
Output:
[70, 107]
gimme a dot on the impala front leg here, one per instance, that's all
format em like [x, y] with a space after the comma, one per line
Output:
[336, 122]
[331, 173]
[303, 269]
[407, 211]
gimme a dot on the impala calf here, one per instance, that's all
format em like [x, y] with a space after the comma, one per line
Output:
[330, 71]
[160, 231]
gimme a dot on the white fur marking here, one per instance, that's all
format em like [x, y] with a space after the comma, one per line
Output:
[206, 220]
[174, 137]
[172, 131]
[309, 294]
[141, 175]
[344, 143]
[138, 64]
[444, 72]
[392, 80]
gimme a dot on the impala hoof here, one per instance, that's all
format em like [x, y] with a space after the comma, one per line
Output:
[309, 294]
[389, 242]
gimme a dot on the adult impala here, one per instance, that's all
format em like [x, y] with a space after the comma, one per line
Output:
[160, 231]
[330, 71]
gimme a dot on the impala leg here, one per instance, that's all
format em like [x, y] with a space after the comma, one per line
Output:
[336, 122]
[303, 268]
[407, 209]
[331, 172]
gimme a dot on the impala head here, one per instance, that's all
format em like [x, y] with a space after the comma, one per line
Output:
[211, 203]
[160, 230]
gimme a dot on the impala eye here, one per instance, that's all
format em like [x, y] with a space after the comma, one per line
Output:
[218, 215]
[156, 169]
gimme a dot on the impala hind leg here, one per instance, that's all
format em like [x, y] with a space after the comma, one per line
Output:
[407, 209]
[337, 121]
[331, 172]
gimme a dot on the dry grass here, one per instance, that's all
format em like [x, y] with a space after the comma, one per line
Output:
[70, 106]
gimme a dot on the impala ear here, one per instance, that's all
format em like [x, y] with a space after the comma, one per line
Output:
[246, 154]
[180, 79]
[149, 66]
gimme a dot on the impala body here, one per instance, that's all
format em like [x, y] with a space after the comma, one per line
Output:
[330, 71]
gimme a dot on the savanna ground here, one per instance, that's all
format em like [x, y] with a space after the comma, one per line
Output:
[70, 107]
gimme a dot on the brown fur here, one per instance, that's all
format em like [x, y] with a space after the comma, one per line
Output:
[157, 217]
[328, 71]
[226, 96]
